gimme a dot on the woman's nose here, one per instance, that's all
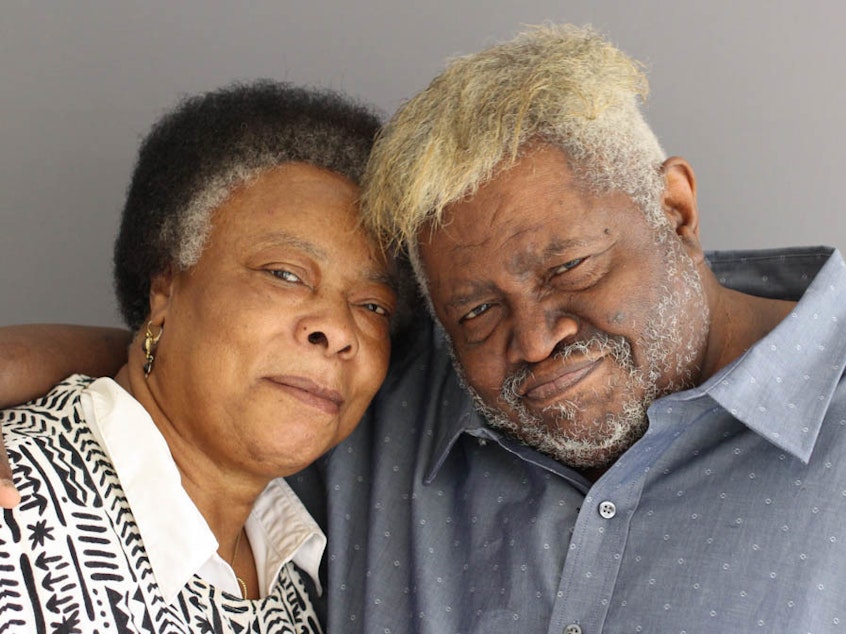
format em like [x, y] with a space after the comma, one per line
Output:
[330, 327]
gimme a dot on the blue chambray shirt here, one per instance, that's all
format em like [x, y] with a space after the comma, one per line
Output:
[729, 515]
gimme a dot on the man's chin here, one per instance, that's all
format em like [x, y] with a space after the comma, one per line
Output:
[572, 438]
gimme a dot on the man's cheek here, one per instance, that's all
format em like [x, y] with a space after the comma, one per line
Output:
[617, 318]
[483, 376]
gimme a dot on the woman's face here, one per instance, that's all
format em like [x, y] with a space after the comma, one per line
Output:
[276, 341]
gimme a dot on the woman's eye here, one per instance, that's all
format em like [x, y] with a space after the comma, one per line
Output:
[478, 310]
[568, 265]
[286, 276]
[376, 308]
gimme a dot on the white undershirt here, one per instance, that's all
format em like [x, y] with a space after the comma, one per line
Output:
[178, 541]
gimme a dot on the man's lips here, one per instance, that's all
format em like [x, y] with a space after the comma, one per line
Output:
[541, 389]
[310, 392]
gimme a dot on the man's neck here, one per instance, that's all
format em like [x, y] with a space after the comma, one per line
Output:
[738, 321]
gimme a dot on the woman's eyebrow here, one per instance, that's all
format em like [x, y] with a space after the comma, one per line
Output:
[283, 238]
[384, 279]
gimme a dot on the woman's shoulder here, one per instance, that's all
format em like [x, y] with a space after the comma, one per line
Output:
[36, 432]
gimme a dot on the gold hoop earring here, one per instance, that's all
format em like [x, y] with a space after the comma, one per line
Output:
[149, 348]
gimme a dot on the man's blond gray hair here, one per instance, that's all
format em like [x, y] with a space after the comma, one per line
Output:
[557, 84]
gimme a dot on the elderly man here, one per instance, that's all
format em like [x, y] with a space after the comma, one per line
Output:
[653, 436]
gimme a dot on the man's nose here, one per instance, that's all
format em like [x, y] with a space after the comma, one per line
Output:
[537, 330]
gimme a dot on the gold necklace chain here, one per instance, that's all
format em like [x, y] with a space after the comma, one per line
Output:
[241, 582]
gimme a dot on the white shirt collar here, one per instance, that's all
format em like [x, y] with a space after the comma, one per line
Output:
[178, 541]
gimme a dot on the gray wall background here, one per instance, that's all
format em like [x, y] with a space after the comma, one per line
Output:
[752, 92]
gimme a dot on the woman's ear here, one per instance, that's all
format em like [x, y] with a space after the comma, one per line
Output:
[679, 203]
[161, 289]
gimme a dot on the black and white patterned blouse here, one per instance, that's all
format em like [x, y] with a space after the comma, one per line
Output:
[71, 555]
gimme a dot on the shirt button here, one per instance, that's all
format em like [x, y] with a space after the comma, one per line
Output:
[607, 509]
[572, 629]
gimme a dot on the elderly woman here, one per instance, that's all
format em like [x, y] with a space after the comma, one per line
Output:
[154, 501]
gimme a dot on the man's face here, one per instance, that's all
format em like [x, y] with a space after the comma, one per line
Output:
[568, 313]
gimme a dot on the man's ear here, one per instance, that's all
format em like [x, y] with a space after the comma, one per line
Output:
[161, 291]
[679, 203]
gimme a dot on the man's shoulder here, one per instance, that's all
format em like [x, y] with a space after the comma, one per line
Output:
[421, 364]
[775, 273]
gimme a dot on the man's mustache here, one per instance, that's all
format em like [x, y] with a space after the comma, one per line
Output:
[597, 344]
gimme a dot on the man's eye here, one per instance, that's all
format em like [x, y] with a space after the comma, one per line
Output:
[480, 309]
[286, 276]
[567, 266]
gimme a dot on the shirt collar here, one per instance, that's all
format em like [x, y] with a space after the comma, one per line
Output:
[179, 542]
[455, 411]
[781, 387]
[288, 532]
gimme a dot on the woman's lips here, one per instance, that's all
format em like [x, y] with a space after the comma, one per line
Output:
[542, 390]
[310, 392]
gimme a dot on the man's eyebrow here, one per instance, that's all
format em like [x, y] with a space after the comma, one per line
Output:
[525, 261]
[556, 247]
[474, 290]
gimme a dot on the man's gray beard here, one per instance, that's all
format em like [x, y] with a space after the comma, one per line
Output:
[607, 441]
[664, 355]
